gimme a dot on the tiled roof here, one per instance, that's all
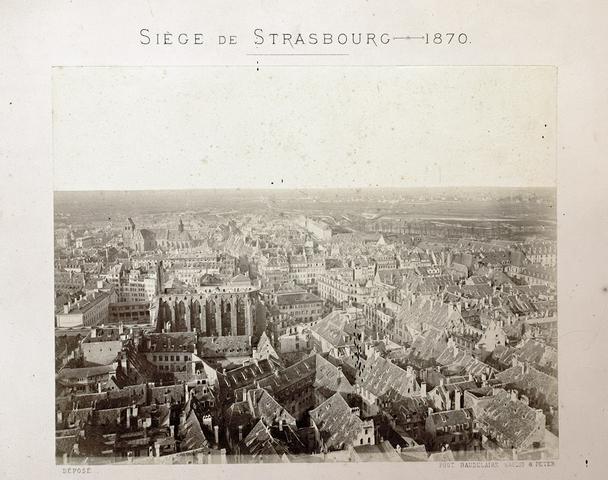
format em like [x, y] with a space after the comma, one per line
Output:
[426, 313]
[259, 444]
[532, 382]
[265, 348]
[335, 328]
[168, 393]
[455, 357]
[129, 395]
[246, 375]
[510, 420]
[403, 407]
[76, 373]
[166, 342]
[338, 425]
[450, 418]
[224, 346]
[265, 407]
[297, 298]
[191, 432]
[429, 345]
[431, 285]
[385, 379]
[537, 353]
[471, 291]
[313, 371]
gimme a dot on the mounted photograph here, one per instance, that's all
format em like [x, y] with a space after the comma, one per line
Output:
[286, 264]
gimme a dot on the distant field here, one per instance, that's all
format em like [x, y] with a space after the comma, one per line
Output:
[502, 205]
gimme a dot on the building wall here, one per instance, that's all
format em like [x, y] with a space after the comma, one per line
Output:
[130, 313]
[173, 361]
[302, 312]
[101, 353]
[69, 320]
[293, 343]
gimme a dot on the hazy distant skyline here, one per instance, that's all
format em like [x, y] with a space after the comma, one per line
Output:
[129, 128]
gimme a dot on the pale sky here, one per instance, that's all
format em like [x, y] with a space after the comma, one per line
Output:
[234, 127]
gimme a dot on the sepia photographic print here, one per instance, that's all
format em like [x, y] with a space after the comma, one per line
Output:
[305, 264]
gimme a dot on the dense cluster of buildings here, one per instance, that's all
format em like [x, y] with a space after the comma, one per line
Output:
[267, 337]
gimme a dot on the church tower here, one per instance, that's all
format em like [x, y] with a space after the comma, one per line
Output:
[128, 233]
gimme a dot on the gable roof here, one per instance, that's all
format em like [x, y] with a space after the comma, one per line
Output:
[532, 382]
[246, 375]
[265, 349]
[335, 328]
[512, 419]
[259, 444]
[336, 422]
[384, 379]
[313, 371]
[263, 406]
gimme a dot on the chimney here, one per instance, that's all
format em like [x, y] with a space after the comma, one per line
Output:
[66, 308]
[423, 389]
[280, 425]
[457, 399]
[240, 433]
[93, 332]
[514, 395]
[216, 434]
